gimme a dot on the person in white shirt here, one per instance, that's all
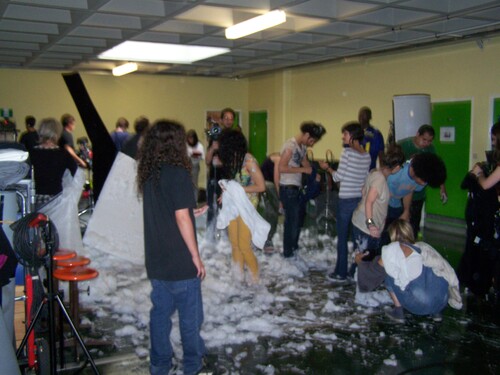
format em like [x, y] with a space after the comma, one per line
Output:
[196, 153]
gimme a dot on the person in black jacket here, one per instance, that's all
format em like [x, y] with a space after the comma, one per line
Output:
[479, 267]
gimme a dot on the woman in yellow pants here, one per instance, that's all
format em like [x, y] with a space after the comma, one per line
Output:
[241, 166]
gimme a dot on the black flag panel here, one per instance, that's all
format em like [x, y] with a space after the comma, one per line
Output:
[103, 148]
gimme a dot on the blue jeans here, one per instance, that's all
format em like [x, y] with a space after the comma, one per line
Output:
[291, 232]
[346, 208]
[168, 296]
[393, 213]
[425, 295]
[363, 241]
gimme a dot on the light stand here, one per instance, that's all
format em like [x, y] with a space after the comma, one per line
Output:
[85, 154]
[326, 220]
[42, 222]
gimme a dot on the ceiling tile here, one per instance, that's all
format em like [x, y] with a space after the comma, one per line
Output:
[69, 34]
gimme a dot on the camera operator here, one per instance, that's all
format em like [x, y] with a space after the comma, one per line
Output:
[214, 165]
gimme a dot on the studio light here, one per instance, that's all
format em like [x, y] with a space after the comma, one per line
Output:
[124, 69]
[256, 24]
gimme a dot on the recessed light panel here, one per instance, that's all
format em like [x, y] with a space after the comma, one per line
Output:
[161, 52]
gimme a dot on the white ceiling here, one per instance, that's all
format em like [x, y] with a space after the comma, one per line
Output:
[69, 34]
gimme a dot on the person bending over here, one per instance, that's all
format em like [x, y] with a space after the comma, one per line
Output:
[422, 170]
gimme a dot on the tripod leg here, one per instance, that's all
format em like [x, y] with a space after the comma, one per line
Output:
[61, 339]
[77, 334]
[30, 328]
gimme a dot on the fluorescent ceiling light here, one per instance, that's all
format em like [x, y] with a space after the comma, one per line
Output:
[256, 24]
[160, 52]
[124, 69]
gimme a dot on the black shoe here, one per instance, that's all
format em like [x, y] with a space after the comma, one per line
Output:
[206, 367]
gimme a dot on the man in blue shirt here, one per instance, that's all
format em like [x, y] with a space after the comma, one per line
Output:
[422, 170]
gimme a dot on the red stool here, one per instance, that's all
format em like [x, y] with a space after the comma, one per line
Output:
[59, 255]
[76, 261]
[63, 254]
[74, 275]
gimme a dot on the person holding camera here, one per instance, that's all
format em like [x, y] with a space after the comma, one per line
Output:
[214, 166]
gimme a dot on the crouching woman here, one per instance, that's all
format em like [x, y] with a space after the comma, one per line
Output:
[417, 277]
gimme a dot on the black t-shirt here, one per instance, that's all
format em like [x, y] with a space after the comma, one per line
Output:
[130, 145]
[29, 140]
[166, 253]
[267, 169]
[66, 139]
[49, 165]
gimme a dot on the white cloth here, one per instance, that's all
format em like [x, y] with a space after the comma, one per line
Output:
[236, 203]
[431, 258]
[63, 211]
[12, 154]
[402, 269]
[116, 225]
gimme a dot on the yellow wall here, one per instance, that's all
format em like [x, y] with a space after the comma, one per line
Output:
[332, 93]
[44, 94]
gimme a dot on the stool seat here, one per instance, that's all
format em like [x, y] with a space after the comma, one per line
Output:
[62, 254]
[79, 273]
[76, 261]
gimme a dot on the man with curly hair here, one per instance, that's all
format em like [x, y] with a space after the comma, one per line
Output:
[422, 170]
[173, 262]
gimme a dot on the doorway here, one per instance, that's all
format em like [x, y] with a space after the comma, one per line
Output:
[452, 123]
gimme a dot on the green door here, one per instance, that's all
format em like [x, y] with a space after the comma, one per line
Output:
[496, 110]
[257, 140]
[452, 122]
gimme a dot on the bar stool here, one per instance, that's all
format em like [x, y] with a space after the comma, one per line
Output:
[62, 254]
[76, 261]
[73, 275]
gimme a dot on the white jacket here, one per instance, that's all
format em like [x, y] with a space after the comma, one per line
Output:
[396, 266]
[236, 203]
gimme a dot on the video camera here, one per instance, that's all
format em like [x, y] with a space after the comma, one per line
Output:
[84, 150]
[214, 132]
